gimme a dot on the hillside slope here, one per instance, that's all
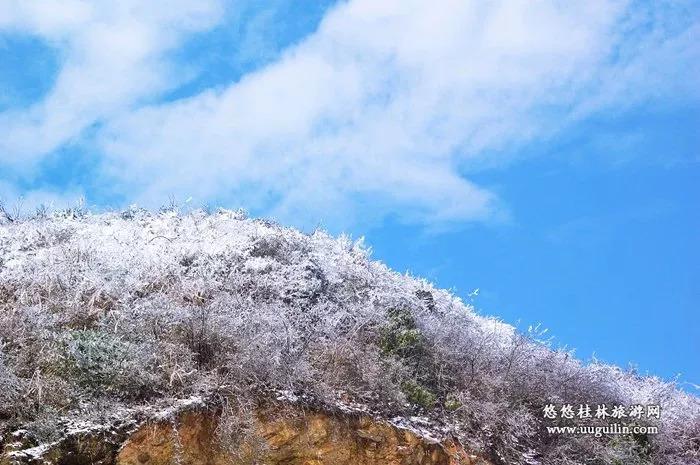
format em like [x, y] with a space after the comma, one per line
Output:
[100, 313]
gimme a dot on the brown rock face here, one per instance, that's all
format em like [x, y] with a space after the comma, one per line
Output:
[291, 437]
[279, 435]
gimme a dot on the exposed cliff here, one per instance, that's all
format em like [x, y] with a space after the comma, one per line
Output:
[289, 437]
[282, 434]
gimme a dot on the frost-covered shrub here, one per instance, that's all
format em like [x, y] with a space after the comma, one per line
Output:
[418, 395]
[94, 358]
[130, 308]
[103, 363]
[9, 388]
[401, 337]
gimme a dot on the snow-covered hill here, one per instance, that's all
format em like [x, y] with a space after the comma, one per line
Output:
[104, 312]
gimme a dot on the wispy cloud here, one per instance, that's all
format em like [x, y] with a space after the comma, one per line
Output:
[382, 110]
[113, 57]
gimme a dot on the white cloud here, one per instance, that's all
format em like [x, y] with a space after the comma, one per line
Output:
[380, 111]
[113, 55]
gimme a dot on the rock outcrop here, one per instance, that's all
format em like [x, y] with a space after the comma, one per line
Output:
[287, 435]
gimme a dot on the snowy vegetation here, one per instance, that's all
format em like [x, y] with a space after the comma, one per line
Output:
[109, 311]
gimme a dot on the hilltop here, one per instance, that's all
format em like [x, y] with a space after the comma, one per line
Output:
[106, 314]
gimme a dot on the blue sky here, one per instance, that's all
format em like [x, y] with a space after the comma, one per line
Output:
[547, 154]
